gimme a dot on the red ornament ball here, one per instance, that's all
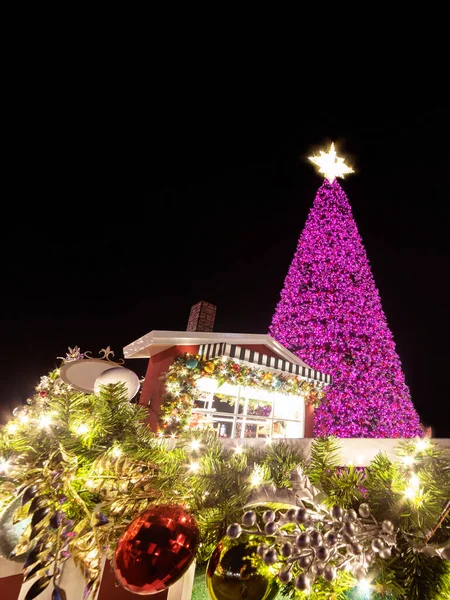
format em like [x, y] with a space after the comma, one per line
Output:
[156, 549]
[43, 393]
[235, 368]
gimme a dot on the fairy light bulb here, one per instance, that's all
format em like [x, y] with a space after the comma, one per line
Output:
[256, 477]
[364, 586]
[11, 428]
[414, 482]
[410, 493]
[195, 445]
[44, 421]
[422, 445]
[82, 429]
[4, 465]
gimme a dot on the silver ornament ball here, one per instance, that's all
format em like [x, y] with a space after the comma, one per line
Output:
[322, 553]
[387, 527]
[316, 538]
[249, 518]
[337, 512]
[318, 567]
[349, 528]
[350, 515]
[261, 550]
[302, 540]
[329, 573]
[270, 528]
[331, 538]
[302, 582]
[357, 548]
[364, 511]
[270, 556]
[286, 549]
[285, 575]
[377, 544]
[234, 531]
[302, 516]
[304, 561]
[268, 515]
[290, 515]
[385, 553]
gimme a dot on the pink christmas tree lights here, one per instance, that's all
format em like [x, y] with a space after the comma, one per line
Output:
[330, 316]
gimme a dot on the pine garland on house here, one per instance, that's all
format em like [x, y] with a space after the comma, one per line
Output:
[182, 393]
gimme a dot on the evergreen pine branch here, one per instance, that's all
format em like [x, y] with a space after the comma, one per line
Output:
[281, 459]
[323, 462]
[422, 577]
[119, 467]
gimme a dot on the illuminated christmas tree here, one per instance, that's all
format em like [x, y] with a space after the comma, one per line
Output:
[330, 315]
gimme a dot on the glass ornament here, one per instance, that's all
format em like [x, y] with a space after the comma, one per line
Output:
[156, 549]
[232, 575]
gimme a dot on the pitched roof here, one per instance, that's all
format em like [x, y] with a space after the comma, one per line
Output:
[156, 341]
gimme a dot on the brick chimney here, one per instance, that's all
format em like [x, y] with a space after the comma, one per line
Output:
[202, 317]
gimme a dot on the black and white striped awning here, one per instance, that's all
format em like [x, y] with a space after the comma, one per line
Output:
[208, 351]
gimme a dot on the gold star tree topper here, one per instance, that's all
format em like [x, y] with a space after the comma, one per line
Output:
[330, 164]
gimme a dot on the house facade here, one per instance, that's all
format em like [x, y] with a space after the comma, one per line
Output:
[247, 385]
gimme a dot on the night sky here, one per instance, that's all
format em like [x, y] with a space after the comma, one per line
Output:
[119, 224]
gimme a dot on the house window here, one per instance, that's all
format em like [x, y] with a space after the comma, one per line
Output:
[236, 411]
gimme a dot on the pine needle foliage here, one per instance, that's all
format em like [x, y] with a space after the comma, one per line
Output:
[281, 460]
[86, 465]
[422, 576]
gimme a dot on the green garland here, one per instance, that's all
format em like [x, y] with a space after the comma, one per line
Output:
[182, 392]
[86, 465]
